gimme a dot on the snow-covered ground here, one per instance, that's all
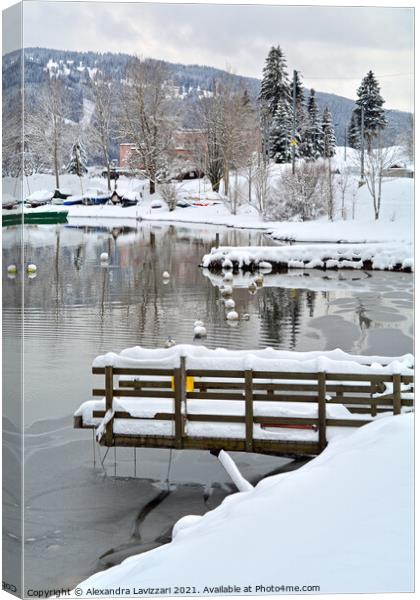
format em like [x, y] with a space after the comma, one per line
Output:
[391, 256]
[284, 531]
[394, 224]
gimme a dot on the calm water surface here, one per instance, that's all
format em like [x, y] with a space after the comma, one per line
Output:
[79, 519]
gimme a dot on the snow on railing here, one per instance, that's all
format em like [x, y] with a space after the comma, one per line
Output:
[268, 359]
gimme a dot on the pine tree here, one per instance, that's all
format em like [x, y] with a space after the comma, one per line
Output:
[301, 115]
[275, 84]
[353, 134]
[328, 134]
[370, 99]
[78, 160]
[312, 146]
[281, 134]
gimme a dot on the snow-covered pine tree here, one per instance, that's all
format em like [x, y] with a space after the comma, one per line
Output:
[275, 85]
[353, 133]
[312, 146]
[301, 115]
[281, 134]
[78, 159]
[328, 134]
[369, 97]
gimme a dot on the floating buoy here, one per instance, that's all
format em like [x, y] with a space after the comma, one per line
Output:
[12, 269]
[259, 279]
[104, 256]
[200, 331]
[228, 276]
[230, 303]
[31, 268]
[246, 317]
[265, 267]
[226, 291]
[233, 322]
[165, 275]
[232, 315]
[252, 287]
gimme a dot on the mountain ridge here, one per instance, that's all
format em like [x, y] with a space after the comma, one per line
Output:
[191, 80]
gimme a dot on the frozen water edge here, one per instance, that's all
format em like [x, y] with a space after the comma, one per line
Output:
[343, 541]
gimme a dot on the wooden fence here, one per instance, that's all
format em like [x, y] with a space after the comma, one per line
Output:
[359, 393]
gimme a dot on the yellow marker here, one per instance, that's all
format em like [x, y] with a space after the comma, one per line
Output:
[293, 142]
[189, 387]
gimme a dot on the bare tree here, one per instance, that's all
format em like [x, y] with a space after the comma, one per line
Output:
[45, 126]
[145, 120]
[376, 162]
[209, 155]
[260, 181]
[227, 118]
[346, 185]
[100, 130]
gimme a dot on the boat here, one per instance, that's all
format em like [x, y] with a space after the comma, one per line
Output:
[95, 196]
[39, 198]
[71, 200]
[47, 215]
[60, 195]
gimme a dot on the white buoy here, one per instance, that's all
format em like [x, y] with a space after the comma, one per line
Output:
[31, 268]
[252, 287]
[232, 315]
[12, 269]
[104, 256]
[230, 303]
[226, 291]
[246, 317]
[259, 279]
[200, 331]
[265, 267]
[165, 275]
[228, 276]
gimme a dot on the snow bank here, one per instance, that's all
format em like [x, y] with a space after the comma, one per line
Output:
[391, 257]
[343, 522]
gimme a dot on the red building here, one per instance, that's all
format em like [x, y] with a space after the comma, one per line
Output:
[185, 143]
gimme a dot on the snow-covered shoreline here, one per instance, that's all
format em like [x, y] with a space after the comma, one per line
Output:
[365, 545]
[389, 257]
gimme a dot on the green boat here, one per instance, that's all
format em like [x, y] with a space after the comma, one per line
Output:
[48, 215]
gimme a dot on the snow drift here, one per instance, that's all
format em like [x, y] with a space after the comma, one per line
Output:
[343, 522]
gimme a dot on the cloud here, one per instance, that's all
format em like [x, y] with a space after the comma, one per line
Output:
[335, 43]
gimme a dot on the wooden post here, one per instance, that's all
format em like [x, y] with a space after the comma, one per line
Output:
[249, 412]
[373, 405]
[396, 382]
[109, 395]
[217, 239]
[322, 417]
[180, 398]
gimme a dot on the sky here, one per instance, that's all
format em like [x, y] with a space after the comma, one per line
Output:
[332, 47]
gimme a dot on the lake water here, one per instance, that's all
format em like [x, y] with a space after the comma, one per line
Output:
[76, 308]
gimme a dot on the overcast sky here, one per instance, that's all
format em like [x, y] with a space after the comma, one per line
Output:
[333, 47]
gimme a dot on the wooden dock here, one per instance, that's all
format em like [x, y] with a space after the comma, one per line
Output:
[261, 429]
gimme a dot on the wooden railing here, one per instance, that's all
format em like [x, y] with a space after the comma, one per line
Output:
[359, 393]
